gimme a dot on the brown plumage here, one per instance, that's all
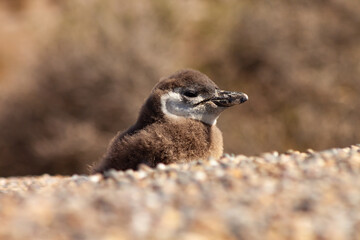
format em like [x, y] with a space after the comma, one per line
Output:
[177, 123]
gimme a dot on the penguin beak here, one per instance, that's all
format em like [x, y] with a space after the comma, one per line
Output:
[228, 99]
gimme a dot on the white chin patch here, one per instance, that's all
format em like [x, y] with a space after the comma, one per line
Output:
[173, 105]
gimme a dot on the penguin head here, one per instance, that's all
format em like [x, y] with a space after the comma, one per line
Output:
[191, 94]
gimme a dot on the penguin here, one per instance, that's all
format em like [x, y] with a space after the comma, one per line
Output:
[176, 124]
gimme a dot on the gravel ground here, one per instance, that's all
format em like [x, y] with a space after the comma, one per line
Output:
[312, 195]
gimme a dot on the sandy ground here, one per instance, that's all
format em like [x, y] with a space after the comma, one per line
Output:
[312, 195]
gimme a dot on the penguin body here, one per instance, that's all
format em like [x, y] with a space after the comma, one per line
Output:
[177, 123]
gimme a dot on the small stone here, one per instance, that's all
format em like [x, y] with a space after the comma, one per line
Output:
[200, 176]
[140, 174]
[95, 178]
[161, 166]
[309, 150]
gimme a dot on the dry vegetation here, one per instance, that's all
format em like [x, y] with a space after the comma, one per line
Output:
[72, 73]
[307, 196]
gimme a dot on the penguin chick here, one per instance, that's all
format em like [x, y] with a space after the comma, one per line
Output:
[177, 123]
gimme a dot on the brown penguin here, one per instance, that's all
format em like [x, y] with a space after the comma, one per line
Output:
[177, 123]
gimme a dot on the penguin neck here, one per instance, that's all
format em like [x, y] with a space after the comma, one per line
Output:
[149, 114]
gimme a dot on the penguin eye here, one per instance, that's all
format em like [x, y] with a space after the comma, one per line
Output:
[190, 93]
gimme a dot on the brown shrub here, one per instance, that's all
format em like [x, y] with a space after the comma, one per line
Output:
[88, 82]
[299, 62]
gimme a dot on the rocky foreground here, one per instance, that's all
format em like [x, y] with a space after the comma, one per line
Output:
[312, 195]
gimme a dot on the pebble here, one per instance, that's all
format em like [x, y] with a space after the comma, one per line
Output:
[291, 195]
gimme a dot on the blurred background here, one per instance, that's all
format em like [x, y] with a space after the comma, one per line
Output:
[74, 72]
